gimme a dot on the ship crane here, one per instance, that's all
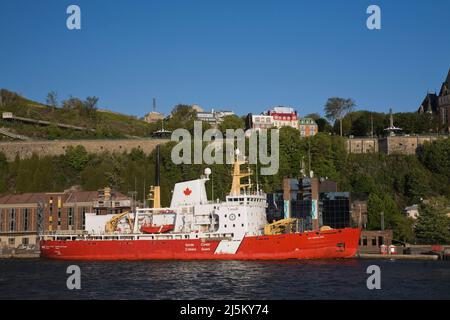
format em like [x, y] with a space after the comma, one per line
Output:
[111, 225]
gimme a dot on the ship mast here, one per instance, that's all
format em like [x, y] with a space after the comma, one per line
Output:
[236, 184]
[155, 191]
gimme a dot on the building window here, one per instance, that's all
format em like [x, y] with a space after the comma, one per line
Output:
[11, 241]
[12, 219]
[25, 241]
[83, 218]
[59, 216]
[26, 219]
[364, 241]
[374, 242]
[70, 216]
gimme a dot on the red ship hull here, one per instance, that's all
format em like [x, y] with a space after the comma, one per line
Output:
[335, 243]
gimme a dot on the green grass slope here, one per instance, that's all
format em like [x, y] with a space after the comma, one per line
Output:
[104, 124]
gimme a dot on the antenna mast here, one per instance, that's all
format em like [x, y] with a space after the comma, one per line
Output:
[256, 169]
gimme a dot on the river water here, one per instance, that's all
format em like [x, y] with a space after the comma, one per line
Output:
[320, 279]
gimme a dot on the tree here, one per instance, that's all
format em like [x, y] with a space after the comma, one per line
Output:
[374, 208]
[323, 125]
[433, 224]
[436, 156]
[315, 116]
[182, 116]
[336, 108]
[91, 103]
[77, 157]
[90, 107]
[52, 99]
[231, 122]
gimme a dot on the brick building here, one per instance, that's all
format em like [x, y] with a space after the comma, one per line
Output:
[284, 117]
[307, 127]
[280, 117]
[23, 216]
[153, 117]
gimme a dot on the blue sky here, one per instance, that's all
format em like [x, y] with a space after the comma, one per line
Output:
[242, 55]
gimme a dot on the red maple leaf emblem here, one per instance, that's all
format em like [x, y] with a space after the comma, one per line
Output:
[187, 191]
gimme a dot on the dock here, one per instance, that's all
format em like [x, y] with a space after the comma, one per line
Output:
[13, 254]
[397, 256]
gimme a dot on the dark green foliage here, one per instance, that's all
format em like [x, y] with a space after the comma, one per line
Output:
[436, 156]
[433, 225]
[324, 126]
[231, 122]
[361, 123]
[336, 108]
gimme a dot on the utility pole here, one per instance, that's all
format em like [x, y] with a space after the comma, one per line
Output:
[382, 220]
[143, 195]
[212, 187]
[360, 217]
[133, 202]
[309, 155]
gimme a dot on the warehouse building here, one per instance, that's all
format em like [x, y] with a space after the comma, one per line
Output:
[23, 216]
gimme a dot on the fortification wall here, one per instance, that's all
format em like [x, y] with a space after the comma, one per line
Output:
[389, 145]
[362, 145]
[25, 149]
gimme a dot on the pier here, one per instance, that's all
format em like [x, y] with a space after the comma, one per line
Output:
[398, 256]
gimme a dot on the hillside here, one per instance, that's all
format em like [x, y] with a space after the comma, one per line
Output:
[73, 111]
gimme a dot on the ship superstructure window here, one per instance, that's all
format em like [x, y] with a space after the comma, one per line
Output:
[12, 219]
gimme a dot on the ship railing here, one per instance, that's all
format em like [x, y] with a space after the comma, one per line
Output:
[63, 232]
[170, 236]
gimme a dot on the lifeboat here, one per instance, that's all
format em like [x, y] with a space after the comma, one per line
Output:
[157, 229]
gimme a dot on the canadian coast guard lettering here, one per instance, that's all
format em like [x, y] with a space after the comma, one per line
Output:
[228, 246]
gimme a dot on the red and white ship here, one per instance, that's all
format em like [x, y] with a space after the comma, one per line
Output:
[195, 228]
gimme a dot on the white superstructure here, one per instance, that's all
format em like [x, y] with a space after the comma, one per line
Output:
[243, 213]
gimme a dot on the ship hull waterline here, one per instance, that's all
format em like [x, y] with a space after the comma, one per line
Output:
[334, 244]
